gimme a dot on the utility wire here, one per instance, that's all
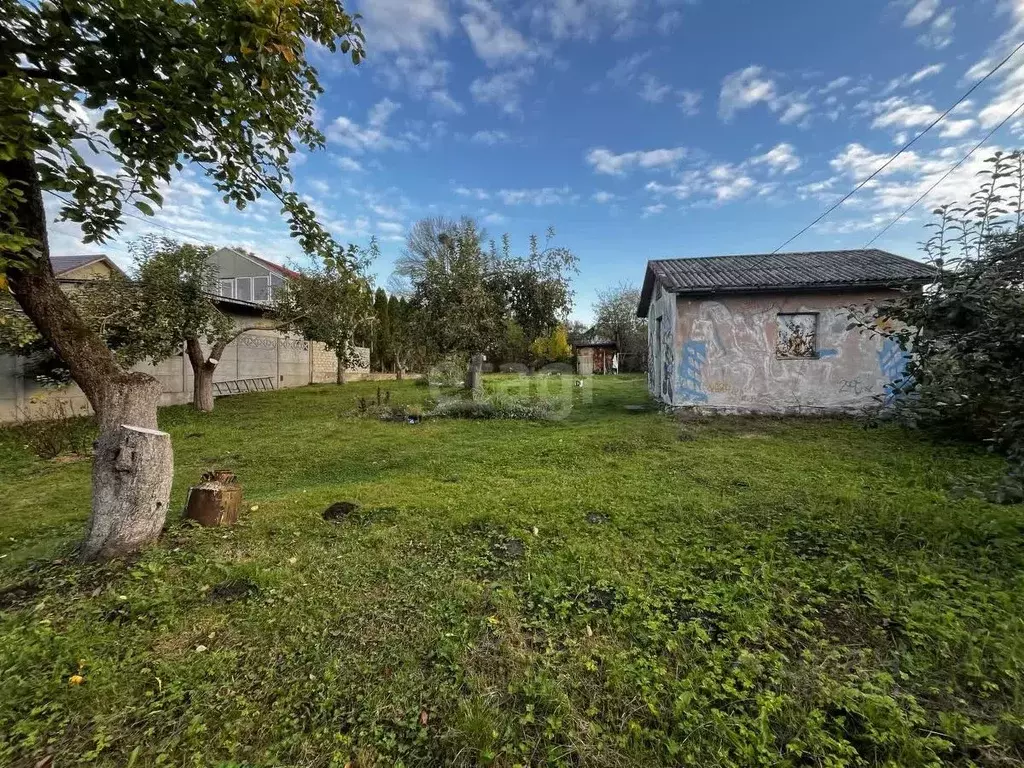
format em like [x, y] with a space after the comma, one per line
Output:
[903, 149]
[947, 174]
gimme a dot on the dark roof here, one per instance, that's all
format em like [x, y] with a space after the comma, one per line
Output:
[240, 305]
[62, 264]
[783, 272]
[596, 341]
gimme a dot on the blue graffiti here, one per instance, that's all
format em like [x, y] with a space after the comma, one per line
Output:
[691, 388]
[892, 360]
[828, 353]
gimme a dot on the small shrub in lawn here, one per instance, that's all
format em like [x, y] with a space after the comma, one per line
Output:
[497, 407]
[60, 431]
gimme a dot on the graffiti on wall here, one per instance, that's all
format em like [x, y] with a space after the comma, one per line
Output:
[892, 360]
[691, 388]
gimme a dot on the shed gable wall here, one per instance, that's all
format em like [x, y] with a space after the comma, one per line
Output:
[725, 355]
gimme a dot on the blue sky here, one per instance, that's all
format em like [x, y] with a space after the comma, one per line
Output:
[639, 129]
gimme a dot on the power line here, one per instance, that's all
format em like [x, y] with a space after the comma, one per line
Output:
[904, 148]
[947, 174]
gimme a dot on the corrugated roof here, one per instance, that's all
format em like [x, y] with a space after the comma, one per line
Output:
[758, 273]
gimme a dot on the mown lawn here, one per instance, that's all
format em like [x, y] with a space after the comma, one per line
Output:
[614, 589]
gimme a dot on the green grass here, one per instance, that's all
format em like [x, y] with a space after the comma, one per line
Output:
[614, 589]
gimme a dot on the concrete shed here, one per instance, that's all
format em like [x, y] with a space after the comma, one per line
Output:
[768, 332]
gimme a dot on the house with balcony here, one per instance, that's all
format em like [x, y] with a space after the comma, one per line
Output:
[245, 276]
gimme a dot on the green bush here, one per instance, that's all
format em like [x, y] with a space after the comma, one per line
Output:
[962, 339]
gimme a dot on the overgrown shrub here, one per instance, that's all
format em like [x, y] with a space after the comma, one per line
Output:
[963, 337]
[450, 372]
[60, 430]
[493, 408]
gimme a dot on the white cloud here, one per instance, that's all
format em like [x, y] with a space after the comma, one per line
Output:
[605, 161]
[422, 76]
[493, 40]
[795, 112]
[653, 210]
[743, 89]
[391, 227]
[381, 112]
[474, 192]
[503, 90]
[746, 88]
[835, 85]
[817, 189]
[781, 158]
[370, 137]
[940, 34]
[490, 138]
[895, 112]
[537, 196]
[900, 184]
[626, 69]
[347, 164]
[668, 22]
[444, 100]
[928, 71]
[415, 25]
[689, 101]
[653, 90]
[937, 25]
[493, 218]
[603, 197]
[921, 12]
[734, 188]
[584, 19]
[955, 129]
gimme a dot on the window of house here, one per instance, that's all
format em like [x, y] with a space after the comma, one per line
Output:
[798, 336]
[261, 288]
[243, 288]
[227, 288]
[276, 282]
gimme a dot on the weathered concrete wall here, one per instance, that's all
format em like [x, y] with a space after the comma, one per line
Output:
[284, 357]
[661, 341]
[724, 355]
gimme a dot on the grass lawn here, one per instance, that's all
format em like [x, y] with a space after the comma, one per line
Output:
[614, 589]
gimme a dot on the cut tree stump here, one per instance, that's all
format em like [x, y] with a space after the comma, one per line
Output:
[216, 500]
[132, 472]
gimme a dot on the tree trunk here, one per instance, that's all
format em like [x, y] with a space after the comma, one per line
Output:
[202, 389]
[398, 369]
[133, 467]
[341, 367]
[120, 522]
[202, 375]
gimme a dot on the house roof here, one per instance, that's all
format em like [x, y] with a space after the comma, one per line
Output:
[63, 264]
[783, 272]
[240, 306]
[592, 339]
[272, 266]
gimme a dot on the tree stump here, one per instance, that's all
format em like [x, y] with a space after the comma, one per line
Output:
[216, 500]
[132, 472]
[475, 375]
